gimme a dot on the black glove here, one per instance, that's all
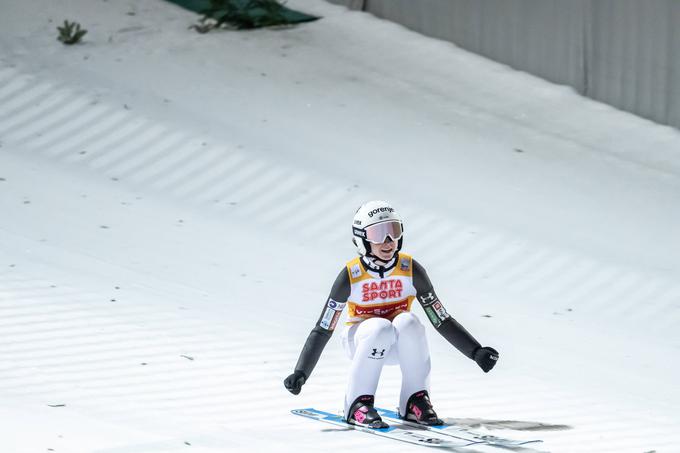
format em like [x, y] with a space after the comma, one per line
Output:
[486, 358]
[294, 382]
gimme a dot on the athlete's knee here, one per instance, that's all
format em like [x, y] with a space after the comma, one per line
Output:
[408, 323]
[378, 329]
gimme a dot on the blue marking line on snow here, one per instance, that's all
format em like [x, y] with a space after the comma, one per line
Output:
[395, 415]
[335, 418]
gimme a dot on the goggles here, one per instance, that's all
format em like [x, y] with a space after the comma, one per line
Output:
[377, 234]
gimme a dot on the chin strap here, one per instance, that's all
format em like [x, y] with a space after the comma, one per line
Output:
[372, 264]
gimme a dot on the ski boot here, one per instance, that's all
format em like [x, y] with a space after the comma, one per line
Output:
[362, 413]
[419, 409]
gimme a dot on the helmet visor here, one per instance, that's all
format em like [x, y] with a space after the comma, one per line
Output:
[378, 233]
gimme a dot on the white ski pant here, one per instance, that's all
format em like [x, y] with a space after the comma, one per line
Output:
[375, 342]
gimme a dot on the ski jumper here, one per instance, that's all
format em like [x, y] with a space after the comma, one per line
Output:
[380, 328]
[381, 331]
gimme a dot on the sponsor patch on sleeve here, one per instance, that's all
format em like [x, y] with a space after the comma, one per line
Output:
[434, 319]
[327, 319]
[332, 314]
[335, 305]
[334, 321]
[440, 310]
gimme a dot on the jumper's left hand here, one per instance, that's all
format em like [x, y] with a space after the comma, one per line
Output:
[486, 358]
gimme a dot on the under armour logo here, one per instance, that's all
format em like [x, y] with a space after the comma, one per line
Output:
[428, 298]
[375, 352]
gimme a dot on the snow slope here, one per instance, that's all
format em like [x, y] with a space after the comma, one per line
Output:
[177, 206]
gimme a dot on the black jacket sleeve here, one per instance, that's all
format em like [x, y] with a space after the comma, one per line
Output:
[448, 327]
[322, 331]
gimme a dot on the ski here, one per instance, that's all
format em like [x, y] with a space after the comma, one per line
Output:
[455, 431]
[397, 431]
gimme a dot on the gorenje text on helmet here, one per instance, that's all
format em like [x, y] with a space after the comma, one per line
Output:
[377, 210]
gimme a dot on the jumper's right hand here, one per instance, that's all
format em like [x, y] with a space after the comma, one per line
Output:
[294, 382]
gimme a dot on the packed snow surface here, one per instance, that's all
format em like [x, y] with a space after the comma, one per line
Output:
[176, 206]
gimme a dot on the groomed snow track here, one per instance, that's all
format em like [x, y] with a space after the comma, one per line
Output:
[157, 281]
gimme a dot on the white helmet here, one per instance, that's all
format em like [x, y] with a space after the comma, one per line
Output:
[373, 222]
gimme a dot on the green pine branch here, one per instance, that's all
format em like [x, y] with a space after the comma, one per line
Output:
[70, 33]
[242, 14]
